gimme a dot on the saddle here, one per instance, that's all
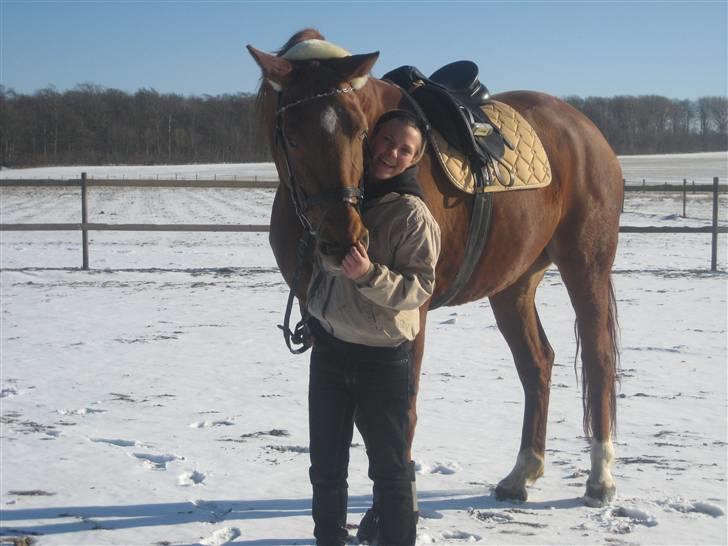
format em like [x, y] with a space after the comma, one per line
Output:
[452, 101]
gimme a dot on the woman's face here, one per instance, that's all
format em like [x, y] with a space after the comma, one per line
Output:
[395, 147]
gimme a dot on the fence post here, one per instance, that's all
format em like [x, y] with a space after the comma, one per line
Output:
[84, 220]
[685, 195]
[624, 191]
[714, 242]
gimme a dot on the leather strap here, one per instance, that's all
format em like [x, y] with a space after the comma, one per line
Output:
[479, 220]
[477, 233]
[299, 335]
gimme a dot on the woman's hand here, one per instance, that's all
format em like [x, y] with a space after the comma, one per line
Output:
[356, 263]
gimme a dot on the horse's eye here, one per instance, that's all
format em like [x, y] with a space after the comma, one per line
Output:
[292, 143]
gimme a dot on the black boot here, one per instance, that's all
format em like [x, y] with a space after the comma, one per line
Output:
[329, 516]
[368, 527]
[395, 521]
[367, 533]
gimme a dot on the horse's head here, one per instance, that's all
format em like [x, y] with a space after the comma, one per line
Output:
[319, 137]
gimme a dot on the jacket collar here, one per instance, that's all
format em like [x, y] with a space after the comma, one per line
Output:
[404, 183]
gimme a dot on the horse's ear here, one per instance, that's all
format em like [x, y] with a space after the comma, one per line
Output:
[275, 69]
[354, 67]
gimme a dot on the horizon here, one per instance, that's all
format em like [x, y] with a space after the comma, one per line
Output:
[252, 93]
[674, 49]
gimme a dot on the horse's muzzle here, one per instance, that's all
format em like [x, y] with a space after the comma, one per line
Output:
[332, 253]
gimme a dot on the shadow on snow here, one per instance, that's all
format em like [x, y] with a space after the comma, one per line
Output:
[90, 518]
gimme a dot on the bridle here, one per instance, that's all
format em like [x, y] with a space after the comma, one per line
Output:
[303, 203]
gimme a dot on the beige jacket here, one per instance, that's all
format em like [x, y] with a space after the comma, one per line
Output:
[381, 308]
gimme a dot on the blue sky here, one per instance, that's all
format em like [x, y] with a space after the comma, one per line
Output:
[677, 49]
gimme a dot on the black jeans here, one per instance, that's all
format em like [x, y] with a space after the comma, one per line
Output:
[376, 382]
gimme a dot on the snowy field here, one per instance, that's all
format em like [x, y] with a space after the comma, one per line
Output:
[653, 169]
[151, 401]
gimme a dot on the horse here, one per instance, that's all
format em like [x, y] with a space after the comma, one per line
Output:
[317, 102]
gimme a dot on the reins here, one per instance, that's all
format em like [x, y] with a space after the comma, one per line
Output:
[302, 204]
[299, 335]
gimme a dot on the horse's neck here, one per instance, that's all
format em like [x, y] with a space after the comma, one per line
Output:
[380, 97]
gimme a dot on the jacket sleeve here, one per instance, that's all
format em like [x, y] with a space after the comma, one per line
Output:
[411, 280]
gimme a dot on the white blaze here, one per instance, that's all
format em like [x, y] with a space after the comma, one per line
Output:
[328, 120]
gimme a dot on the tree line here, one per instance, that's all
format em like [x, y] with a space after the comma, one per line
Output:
[96, 125]
[652, 124]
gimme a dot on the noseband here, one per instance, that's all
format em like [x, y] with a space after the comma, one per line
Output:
[327, 198]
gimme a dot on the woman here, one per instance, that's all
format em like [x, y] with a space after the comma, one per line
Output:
[364, 316]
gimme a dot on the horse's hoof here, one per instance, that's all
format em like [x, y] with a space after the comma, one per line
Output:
[599, 494]
[367, 531]
[503, 493]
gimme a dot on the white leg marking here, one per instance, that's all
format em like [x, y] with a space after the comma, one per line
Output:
[602, 459]
[600, 479]
[529, 468]
[329, 120]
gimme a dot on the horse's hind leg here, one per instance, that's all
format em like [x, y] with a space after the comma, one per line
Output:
[517, 319]
[590, 289]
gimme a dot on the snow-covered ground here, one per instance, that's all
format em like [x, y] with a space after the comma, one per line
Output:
[656, 169]
[220, 171]
[698, 167]
[151, 400]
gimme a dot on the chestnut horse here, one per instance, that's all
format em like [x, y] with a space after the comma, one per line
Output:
[318, 102]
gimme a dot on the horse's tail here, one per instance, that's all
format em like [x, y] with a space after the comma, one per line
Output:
[611, 373]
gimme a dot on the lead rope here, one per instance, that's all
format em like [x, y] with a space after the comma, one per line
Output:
[300, 334]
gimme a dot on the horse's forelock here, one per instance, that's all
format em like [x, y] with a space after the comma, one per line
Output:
[298, 37]
[306, 44]
[315, 49]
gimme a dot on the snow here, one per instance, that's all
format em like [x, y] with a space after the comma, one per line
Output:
[673, 169]
[219, 171]
[151, 400]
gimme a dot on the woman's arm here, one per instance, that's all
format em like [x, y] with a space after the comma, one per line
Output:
[411, 280]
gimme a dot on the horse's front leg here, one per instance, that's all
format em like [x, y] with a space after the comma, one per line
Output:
[518, 321]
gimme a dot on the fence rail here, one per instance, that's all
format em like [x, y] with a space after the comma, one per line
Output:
[250, 183]
[84, 226]
[267, 183]
[135, 227]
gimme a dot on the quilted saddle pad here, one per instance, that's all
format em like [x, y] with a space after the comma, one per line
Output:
[528, 163]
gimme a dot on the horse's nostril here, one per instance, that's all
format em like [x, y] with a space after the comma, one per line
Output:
[328, 249]
[364, 240]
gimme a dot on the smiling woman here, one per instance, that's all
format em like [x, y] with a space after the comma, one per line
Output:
[397, 144]
[364, 315]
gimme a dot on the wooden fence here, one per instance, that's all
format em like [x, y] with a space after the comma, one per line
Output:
[85, 226]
